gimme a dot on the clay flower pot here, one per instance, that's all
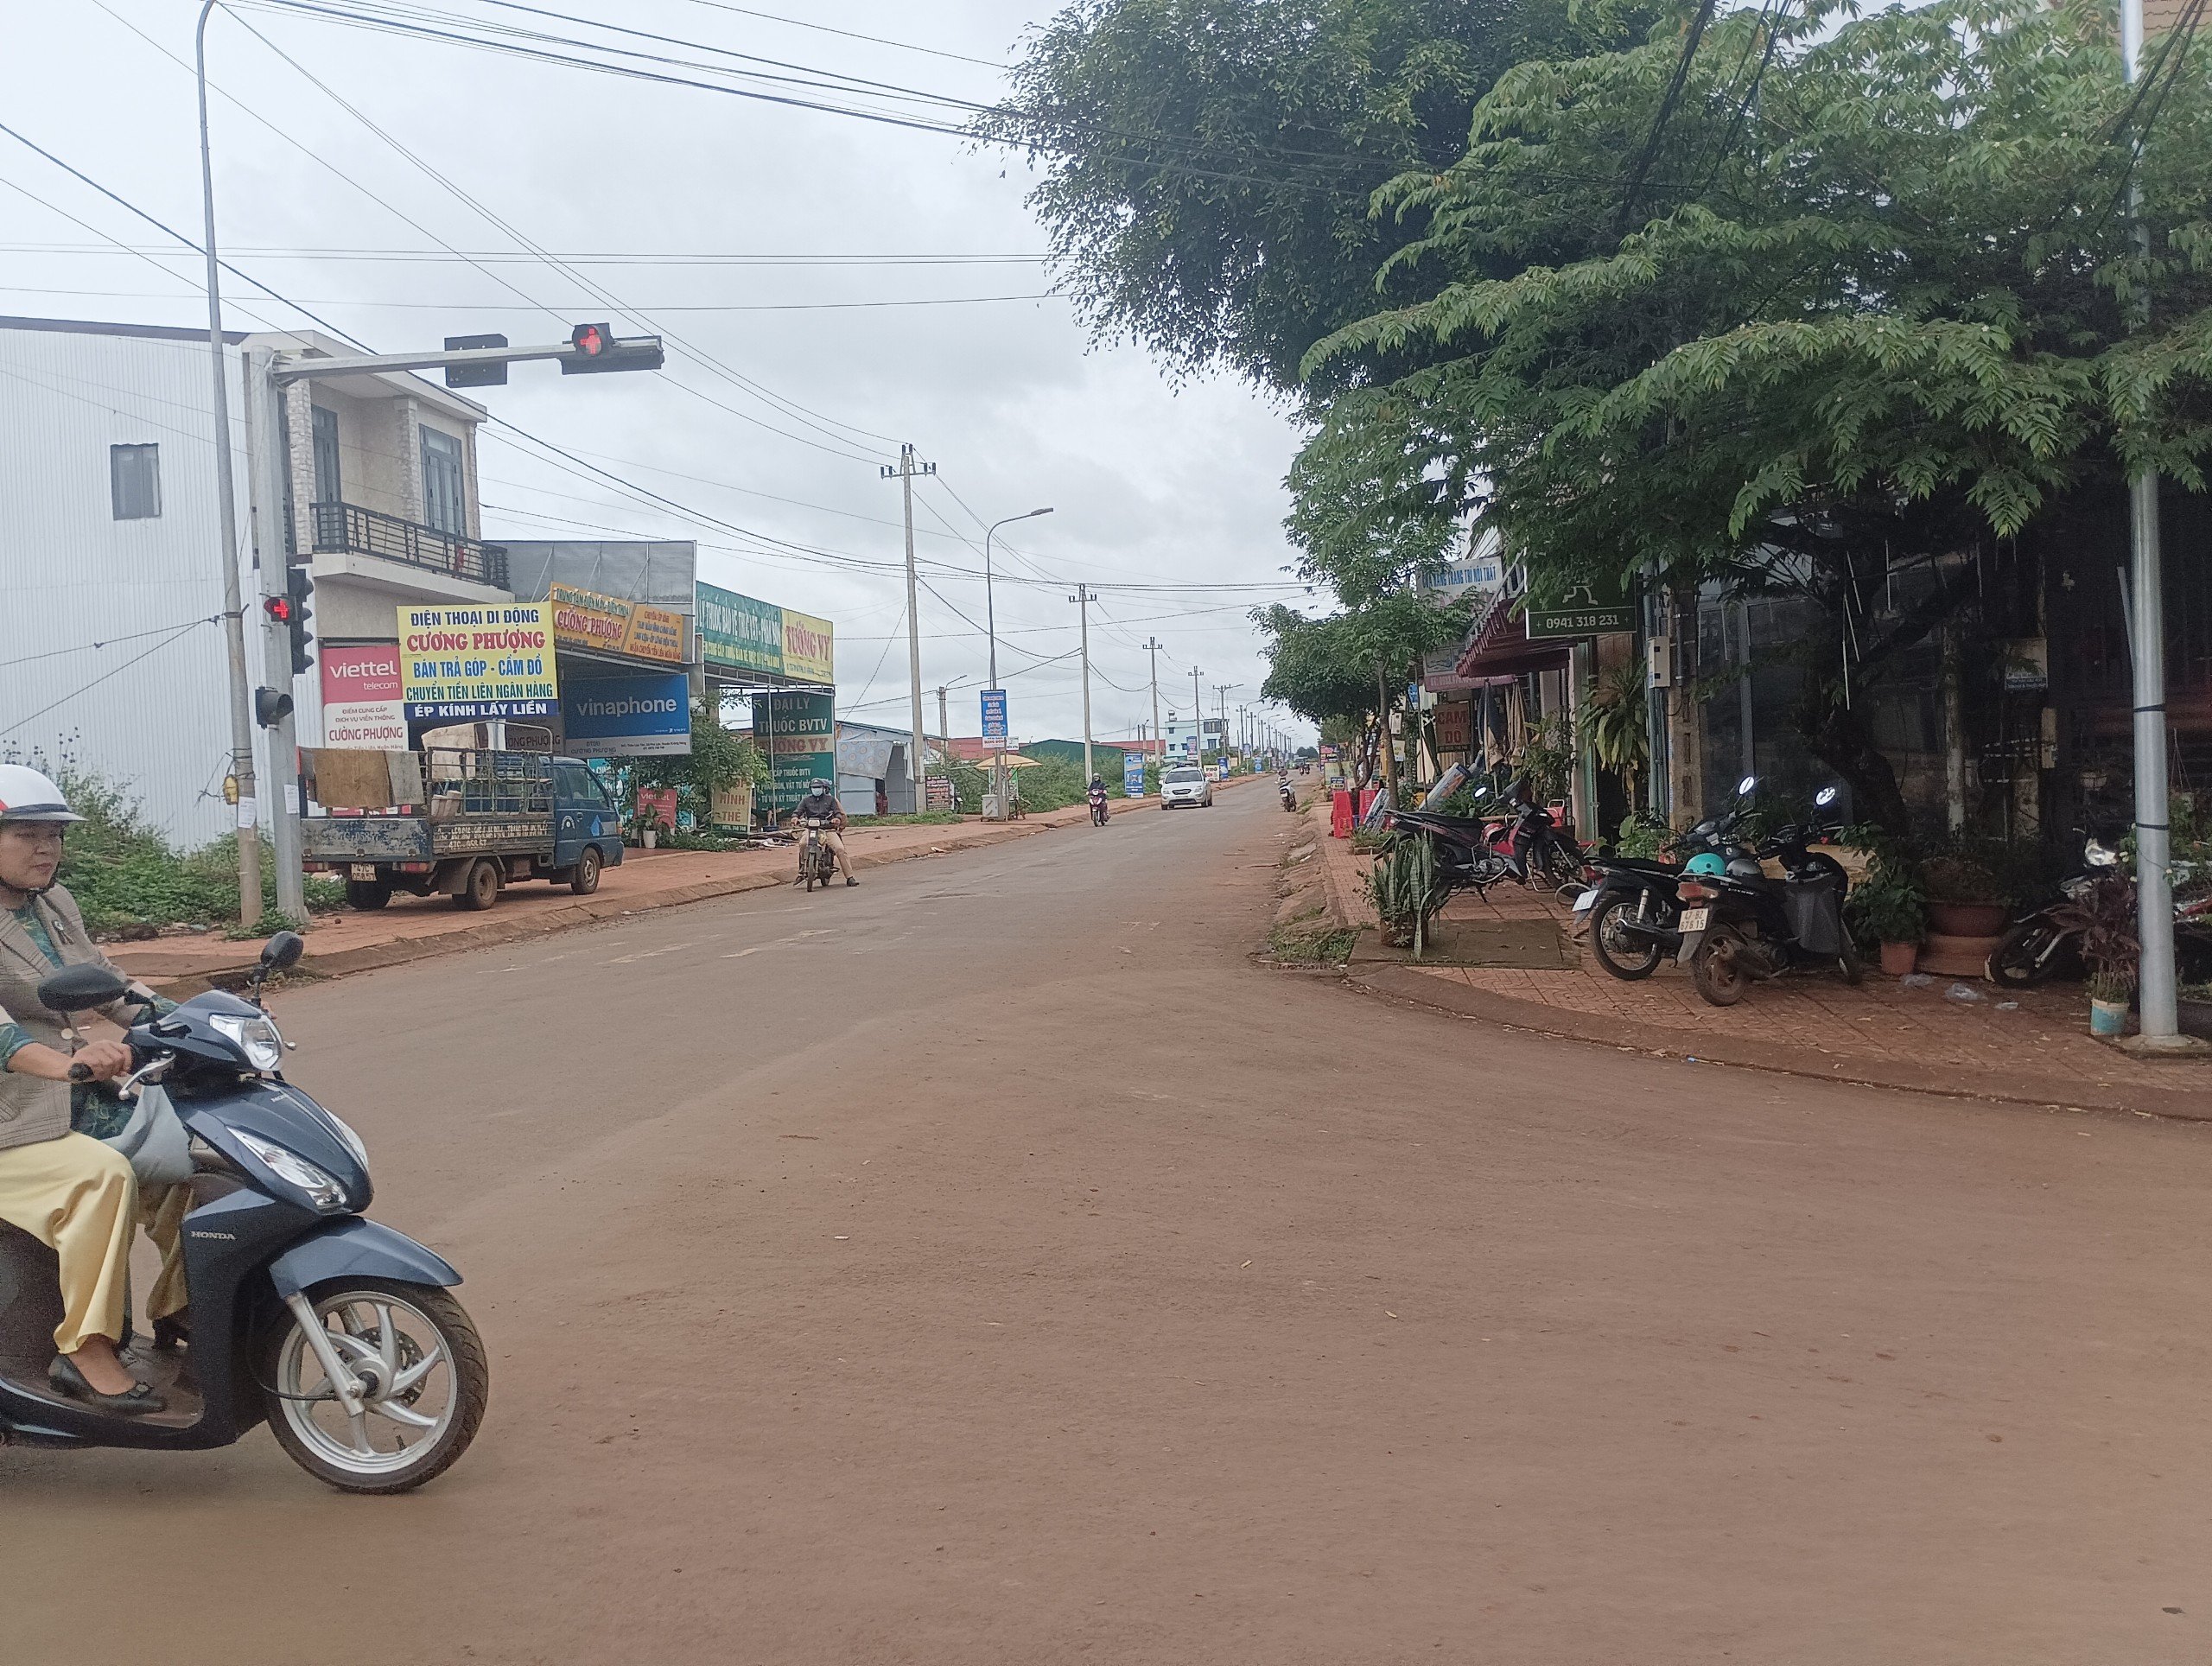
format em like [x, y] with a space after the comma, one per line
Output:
[1899, 958]
[1966, 919]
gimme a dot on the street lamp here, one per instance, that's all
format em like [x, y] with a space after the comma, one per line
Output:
[991, 629]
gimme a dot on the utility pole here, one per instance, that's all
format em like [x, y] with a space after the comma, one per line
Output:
[226, 504]
[1221, 693]
[944, 733]
[1152, 646]
[2154, 893]
[266, 465]
[1198, 719]
[908, 467]
[1081, 599]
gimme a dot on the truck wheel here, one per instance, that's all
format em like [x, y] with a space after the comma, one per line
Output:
[480, 889]
[367, 895]
[586, 879]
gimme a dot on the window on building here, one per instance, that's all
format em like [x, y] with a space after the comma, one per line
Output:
[134, 480]
[329, 487]
[442, 493]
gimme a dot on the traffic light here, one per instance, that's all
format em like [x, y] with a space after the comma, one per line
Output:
[594, 348]
[271, 706]
[292, 611]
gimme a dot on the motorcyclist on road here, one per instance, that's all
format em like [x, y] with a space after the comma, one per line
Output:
[1096, 794]
[821, 804]
[74, 1194]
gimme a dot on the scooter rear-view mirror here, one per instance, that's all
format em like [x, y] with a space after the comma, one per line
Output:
[1744, 787]
[282, 951]
[82, 988]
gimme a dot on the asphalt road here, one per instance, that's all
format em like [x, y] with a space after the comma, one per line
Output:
[991, 1265]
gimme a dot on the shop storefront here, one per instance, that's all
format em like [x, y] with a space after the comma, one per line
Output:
[783, 664]
[625, 685]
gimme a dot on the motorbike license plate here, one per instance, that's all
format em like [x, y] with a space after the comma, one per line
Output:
[1582, 903]
[362, 870]
[1694, 919]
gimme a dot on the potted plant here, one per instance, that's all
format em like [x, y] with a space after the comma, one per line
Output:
[1888, 906]
[2104, 913]
[1965, 898]
[1407, 892]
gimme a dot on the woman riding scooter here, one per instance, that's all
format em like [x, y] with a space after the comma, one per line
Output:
[73, 1193]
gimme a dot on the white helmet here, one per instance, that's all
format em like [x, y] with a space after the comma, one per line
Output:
[27, 796]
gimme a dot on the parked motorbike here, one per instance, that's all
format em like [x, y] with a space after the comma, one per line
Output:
[1634, 908]
[817, 863]
[340, 1334]
[1739, 926]
[2042, 943]
[1287, 793]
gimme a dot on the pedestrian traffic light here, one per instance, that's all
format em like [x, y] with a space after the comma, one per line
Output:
[594, 347]
[292, 611]
[271, 706]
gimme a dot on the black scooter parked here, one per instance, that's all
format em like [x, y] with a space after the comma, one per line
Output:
[1739, 926]
[341, 1333]
[1634, 908]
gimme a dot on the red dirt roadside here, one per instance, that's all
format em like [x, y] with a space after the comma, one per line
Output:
[410, 928]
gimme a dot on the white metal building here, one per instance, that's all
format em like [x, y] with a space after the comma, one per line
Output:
[112, 658]
[109, 566]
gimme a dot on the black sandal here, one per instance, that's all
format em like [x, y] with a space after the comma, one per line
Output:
[139, 1400]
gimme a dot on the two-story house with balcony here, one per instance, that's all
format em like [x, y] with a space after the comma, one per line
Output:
[112, 652]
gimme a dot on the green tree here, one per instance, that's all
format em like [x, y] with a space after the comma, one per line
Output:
[1207, 164]
[1860, 292]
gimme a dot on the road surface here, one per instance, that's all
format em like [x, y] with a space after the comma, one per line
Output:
[992, 1265]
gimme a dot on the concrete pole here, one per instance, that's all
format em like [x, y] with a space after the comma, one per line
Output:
[267, 467]
[2154, 893]
[1152, 646]
[1081, 599]
[1197, 720]
[918, 764]
[226, 504]
[944, 731]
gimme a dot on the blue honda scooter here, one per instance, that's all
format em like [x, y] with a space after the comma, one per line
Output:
[342, 1333]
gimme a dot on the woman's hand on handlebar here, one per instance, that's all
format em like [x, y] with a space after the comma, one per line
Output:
[103, 1061]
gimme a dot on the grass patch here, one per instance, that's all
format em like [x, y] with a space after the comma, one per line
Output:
[1304, 943]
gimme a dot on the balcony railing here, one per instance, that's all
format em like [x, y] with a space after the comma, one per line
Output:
[348, 529]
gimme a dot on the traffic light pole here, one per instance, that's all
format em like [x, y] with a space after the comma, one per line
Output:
[266, 468]
[1081, 599]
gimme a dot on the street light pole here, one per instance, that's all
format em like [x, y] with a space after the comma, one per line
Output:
[226, 504]
[2154, 896]
[991, 630]
[1198, 721]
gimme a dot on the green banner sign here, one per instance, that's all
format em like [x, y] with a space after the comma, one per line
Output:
[801, 742]
[1591, 607]
[738, 633]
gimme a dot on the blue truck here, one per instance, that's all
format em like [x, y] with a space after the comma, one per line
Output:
[486, 820]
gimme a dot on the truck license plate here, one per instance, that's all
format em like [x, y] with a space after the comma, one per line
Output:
[362, 870]
[1694, 919]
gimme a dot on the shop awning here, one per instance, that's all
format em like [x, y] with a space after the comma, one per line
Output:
[1498, 646]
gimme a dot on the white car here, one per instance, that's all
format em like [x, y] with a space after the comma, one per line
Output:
[1186, 784]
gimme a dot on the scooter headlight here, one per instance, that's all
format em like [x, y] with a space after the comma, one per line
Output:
[321, 1188]
[255, 1037]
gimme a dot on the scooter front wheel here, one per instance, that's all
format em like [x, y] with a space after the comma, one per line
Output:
[423, 1376]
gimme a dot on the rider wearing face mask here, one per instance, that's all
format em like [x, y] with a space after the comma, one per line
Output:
[73, 1193]
[821, 804]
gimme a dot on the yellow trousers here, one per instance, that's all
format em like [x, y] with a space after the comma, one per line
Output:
[79, 1198]
[162, 1211]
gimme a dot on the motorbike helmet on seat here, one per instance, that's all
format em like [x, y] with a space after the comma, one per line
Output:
[1707, 863]
[1746, 868]
[26, 795]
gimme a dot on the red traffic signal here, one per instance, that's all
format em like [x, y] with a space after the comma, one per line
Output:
[278, 608]
[595, 349]
[591, 339]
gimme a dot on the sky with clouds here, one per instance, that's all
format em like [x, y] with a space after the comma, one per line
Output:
[830, 287]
